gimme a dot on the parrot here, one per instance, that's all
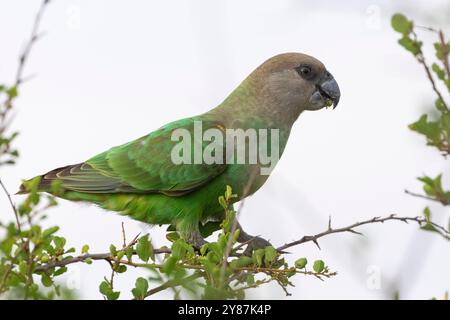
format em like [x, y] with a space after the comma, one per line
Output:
[139, 179]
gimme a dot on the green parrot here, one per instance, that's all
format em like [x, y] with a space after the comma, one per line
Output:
[140, 179]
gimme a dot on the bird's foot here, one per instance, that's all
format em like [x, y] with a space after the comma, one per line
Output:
[255, 243]
[196, 240]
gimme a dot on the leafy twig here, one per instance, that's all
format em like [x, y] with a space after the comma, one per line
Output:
[418, 195]
[92, 256]
[229, 246]
[14, 209]
[173, 283]
[421, 59]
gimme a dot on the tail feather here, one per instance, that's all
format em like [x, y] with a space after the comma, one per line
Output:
[46, 180]
[80, 177]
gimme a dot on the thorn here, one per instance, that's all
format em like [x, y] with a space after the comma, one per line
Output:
[317, 244]
[329, 222]
[355, 232]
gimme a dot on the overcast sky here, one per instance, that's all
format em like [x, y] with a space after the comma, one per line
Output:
[107, 72]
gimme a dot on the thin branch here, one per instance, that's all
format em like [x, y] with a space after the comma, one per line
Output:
[173, 283]
[445, 58]
[418, 195]
[421, 59]
[92, 256]
[124, 237]
[229, 246]
[427, 28]
[34, 36]
[420, 220]
[14, 209]
[314, 238]
[7, 105]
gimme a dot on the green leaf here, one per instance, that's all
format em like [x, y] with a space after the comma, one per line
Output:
[436, 132]
[250, 279]
[121, 269]
[60, 271]
[85, 249]
[106, 290]
[172, 236]
[427, 214]
[113, 250]
[120, 255]
[442, 51]
[439, 72]
[49, 231]
[228, 192]
[59, 242]
[258, 257]
[141, 288]
[129, 253]
[270, 255]
[223, 202]
[144, 249]
[440, 106]
[203, 249]
[71, 250]
[214, 248]
[46, 280]
[23, 267]
[241, 262]
[301, 263]
[12, 92]
[222, 242]
[401, 24]
[169, 265]
[318, 266]
[412, 46]
[179, 249]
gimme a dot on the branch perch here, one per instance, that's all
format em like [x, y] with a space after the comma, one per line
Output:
[420, 220]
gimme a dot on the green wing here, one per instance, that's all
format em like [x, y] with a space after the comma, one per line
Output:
[141, 166]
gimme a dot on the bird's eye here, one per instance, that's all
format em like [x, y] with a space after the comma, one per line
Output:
[304, 71]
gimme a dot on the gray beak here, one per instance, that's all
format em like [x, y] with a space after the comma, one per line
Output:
[329, 89]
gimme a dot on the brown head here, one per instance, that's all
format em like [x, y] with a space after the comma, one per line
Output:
[296, 80]
[282, 87]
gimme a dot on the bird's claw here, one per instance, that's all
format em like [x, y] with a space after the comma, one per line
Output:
[196, 240]
[254, 244]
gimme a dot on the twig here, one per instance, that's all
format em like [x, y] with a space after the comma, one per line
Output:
[31, 41]
[229, 246]
[421, 59]
[330, 230]
[172, 284]
[91, 256]
[23, 58]
[124, 238]
[16, 214]
[314, 238]
[445, 58]
[427, 28]
[5, 278]
[418, 195]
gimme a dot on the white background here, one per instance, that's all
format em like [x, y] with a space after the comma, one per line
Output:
[107, 72]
